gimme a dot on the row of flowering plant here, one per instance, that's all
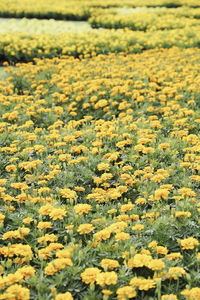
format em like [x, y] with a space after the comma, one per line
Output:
[99, 183]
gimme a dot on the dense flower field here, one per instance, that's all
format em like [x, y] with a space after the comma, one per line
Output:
[144, 21]
[120, 29]
[100, 150]
[24, 47]
[78, 9]
[100, 177]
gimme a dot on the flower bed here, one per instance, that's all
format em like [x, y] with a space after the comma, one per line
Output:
[99, 179]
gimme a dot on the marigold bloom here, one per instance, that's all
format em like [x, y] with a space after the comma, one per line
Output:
[127, 207]
[16, 291]
[122, 236]
[27, 220]
[47, 238]
[64, 296]
[26, 271]
[85, 228]
[126, 292]
[16, 234]
[67, 193]
[44, 225]
[89, 275]
[106, 292]
[140, 200]
[103, 234]
[175, 272]
[57, 213]
[138, 227]
[139, 261]
[57, 265]
[45, 209]
[169, 297]
[187, 192]
[173, 256]
[183, 214]
[189, 243]
[143, 283]
[11, 168]
[193, 294]
[156, 264]
[2, 217]
[82, 208]
[161, 194]
[106, 278]
[109, 263]
[69, 227]
[103, 166]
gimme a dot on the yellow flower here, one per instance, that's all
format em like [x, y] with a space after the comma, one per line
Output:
[79, 189]
[156, 264]
[187, 192]
[169, 297]
[193, 294]
[189, 243]
[16, 234]
[140, 200]
[3, 181]
[28, 220]
[112, 211]
[106, 176]
[109, 263]
[69, 227]
[2, 217]
[126, 292]
[173, 256]
[85, 228]
[26, 271]
[183, 214]
[175, 272]
[89, 275]
[64, 296]
[44, 225]
[62, 157]
[127, 207]
[11, 168]
[47, 238]
[106, 278]
[57, 265]
[106, 292]
[82, 208]
[161, 250]
[57, 213]
[122, 236]
[164, 146]
[16, 291]
[139, 260]
[67, 193]
[152, 245]
[45, 210]
[138, 227]
[161, 194]
[103, 167]
[103, 234]
[142, 283]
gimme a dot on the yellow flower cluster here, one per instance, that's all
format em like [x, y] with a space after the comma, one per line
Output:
[78, 9]
[98, 161]
[145, 21]
[24, 47]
